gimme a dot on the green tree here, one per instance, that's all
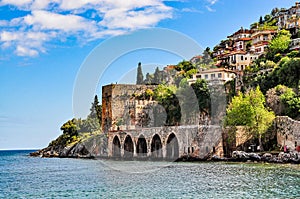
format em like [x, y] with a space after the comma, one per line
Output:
[71, 127]
[89, 125]
[267, 17]
[280, 43]
[184, 66]
[96, 110]
[289, 73]
[261, 21]
[188, 103]
[166, 96]
[277, 97]
[201, 90]
[139, 77]
[291, 102]
[249, 110]
[254, 25]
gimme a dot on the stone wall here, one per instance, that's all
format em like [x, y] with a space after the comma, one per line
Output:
[119, 106]
[122, 112]
[288, 132]
[195, 141]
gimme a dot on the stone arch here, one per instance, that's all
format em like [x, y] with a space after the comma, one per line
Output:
[172, 147]
[128, 147]
[156, 147]
[141, 147]
[116, 147]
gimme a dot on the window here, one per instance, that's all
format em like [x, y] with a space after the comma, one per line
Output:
[242, 57]
[245, 58]
[213, 76]
[198, 76]
[206, 76]
[219, 75]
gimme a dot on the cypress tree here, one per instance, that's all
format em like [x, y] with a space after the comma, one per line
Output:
[96, 110]
[261, 20]
[139, 77]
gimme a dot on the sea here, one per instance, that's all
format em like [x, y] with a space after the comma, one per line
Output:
[22, 176]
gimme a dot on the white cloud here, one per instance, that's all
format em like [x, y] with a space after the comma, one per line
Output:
[40, 4]
[24, 51]
[192, 10]
[8, 36]
[133, 14]
[50, 20]
[25, 41]
[210, 9]
[16, 2]
[119, 18]
[53, 21]
[212, 2]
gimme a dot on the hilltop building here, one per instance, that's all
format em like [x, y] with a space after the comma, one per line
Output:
[240, 39]
[213, 76]
[290, 19]
[261, 40]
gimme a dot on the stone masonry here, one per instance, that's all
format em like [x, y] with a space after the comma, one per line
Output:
[121, 111]
[288, 132]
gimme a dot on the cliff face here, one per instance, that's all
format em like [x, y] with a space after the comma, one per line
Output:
[94, 146]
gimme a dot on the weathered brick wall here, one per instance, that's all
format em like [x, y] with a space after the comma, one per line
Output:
[118, 103]
[288, 132]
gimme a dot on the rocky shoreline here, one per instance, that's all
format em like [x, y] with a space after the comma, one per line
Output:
[241, 156]
[95, 146]
[79, 150]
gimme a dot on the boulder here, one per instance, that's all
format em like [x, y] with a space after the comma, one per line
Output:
[254, 157]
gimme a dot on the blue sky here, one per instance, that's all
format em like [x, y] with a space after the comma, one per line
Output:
[43, 44]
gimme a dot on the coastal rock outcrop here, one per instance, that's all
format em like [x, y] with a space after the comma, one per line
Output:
[95, 146]
[242, 156]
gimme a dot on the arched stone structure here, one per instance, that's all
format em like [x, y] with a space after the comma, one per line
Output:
[165, 142]
[141, 147]
[156, 147]
[172, 147]
[128, 147]
[116, 147]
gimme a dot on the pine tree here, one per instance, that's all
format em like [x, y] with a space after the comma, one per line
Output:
[96, 110]
[139, 77]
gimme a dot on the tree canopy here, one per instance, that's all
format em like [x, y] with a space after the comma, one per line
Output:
[280, 43]
[249, 110]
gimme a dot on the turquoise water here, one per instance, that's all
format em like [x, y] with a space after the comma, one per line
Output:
[27, 177]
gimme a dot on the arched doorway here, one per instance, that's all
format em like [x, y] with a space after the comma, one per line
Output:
[156, 147]
[128, 147]
[116, 149]
[141, 147]
[172, 147]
